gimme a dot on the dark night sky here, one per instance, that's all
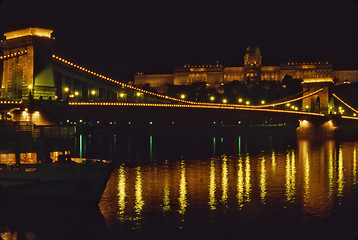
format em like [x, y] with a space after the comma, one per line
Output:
[118, 38]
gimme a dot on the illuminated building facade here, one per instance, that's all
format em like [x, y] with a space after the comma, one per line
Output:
[252, 71]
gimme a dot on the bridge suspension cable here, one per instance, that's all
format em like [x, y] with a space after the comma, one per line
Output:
[289, 101]
[71, 64]
[223, 106]
[344, 103]
[265, 105]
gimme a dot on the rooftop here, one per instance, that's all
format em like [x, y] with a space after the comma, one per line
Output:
[38, 32]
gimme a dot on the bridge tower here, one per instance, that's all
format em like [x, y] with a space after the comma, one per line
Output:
[27, 69]
[319, 102]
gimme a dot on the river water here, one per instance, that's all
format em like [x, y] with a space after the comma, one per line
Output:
[212, 185]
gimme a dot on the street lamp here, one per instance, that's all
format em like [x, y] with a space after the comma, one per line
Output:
[30, 91]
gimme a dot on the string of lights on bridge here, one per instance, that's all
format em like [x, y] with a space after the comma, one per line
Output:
[226, 107]
[10, 102]
[151, 93]
[263, 105]
[11, 55]
[344, 103]
[118, 82]
[186, 103]
[246, 105]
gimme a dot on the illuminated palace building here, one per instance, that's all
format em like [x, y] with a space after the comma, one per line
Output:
[253, 71]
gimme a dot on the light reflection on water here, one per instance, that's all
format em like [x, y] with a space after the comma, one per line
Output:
[312, 177]
[121, 192]
[222, 186]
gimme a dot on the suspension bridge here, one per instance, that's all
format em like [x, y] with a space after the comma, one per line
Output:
[36, 81]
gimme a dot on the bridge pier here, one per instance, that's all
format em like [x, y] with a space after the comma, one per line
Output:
[312, 129]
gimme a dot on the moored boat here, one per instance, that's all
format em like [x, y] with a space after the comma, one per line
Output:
[81, 182]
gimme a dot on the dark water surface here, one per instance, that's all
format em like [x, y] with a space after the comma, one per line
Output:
[207, 185]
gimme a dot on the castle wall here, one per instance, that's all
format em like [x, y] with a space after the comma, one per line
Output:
[346, 75]
[252, 70]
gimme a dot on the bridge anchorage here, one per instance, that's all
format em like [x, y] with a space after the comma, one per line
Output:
[62, 91]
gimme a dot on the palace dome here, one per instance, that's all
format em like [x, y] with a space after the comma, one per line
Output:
[252, 49]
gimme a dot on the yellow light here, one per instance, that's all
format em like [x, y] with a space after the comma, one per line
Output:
[304, 123]
[340, 108]
[224, 180]
[182, 96]
[263, 102]
[121, 190]
[247, 102]
[354, 114]
[30, 87]
[212, 98]
[292, 107]
[93, 92]
[138, 94]
[307, 106]
[240, 100]
[224, 100]
[121, 95]
[38, 32]
[77, 93]
[26, 109]
[212, 186]
[66, 89]
[183, 201]
[287, 104]
[263, 180]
